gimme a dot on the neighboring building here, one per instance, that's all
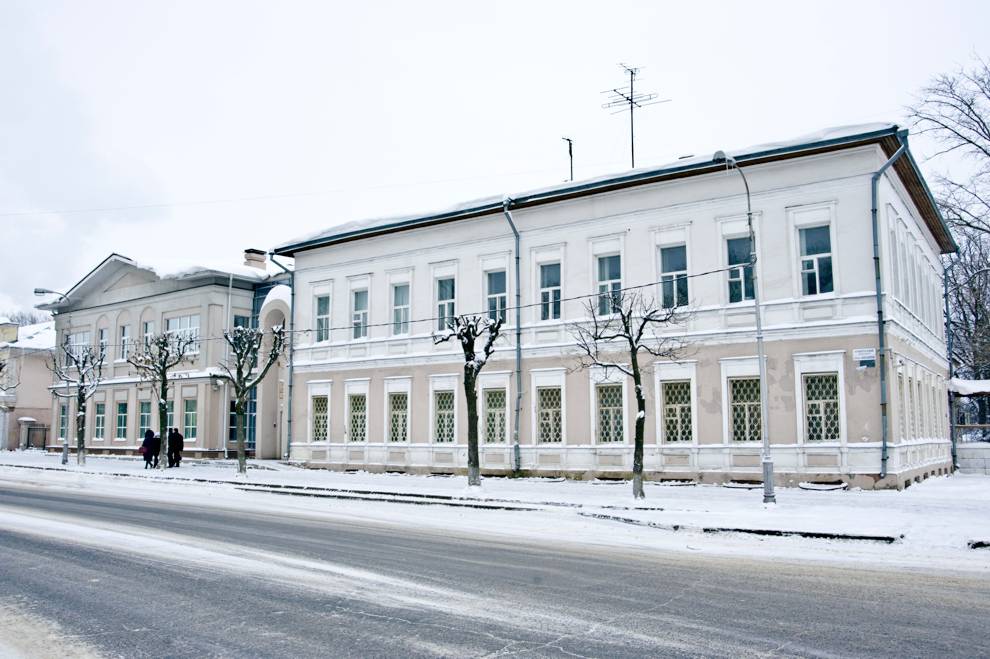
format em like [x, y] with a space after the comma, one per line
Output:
[372, 391]
[119, 303]
[25, 402]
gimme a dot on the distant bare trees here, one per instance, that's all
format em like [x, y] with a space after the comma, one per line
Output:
[26, 317]
[615, 341]
[78, 368]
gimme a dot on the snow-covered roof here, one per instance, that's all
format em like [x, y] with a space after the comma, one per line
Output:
[39, 336]
[697, 164]
[5, 321]
[969, 387]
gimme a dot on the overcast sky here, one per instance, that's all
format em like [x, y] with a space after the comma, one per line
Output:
[183, 132]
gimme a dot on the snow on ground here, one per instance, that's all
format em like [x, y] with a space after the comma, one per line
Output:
[937, 517]
[26, 635]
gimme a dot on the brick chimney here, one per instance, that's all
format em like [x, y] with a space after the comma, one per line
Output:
[254, 258]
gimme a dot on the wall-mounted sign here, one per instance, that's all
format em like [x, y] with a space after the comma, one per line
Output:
[865, 357]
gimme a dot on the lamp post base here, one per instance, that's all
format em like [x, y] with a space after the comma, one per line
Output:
[768, 495]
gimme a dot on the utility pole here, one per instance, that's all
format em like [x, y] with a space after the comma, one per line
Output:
[570, 154]
[627, 100]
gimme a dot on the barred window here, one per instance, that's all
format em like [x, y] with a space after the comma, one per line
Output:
[744, 396]
[321, 418]
[443, 416]
[609, 413]
[398, 417]
[548, 415]
[821, 407]
[494, 401]
[677, 411]
[358, 410]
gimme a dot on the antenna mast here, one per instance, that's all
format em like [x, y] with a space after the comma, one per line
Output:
[570, 153]
[627, 100]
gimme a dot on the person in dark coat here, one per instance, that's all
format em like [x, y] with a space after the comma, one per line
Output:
[156, 448]
[179, 443]
[147, 447]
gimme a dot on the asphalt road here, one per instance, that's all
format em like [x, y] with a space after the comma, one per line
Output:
[398, 592]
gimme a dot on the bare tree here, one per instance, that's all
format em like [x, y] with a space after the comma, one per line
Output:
[80, 370]
[154, 362]
[954, 109]
[616, 340]
[7, 383]
[244, 372]
[26, 317]
[467, 330]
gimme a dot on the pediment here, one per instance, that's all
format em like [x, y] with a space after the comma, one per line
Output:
[129, 279]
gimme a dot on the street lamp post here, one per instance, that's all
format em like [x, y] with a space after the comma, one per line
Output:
[766, 458]
[65, 440]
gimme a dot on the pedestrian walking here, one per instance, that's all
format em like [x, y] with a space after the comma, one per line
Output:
[147, 447]
[156, 448]
[177, 444]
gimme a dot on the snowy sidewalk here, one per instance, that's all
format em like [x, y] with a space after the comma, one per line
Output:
[949, 512]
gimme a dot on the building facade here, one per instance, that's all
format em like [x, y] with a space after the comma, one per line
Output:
[120, 304]
[372, 391]
[25, 404]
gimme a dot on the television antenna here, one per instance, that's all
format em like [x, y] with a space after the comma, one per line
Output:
[626, 99]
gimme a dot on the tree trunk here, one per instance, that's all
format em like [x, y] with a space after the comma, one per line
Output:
[241, 412]
[471, 394]
[640, 428]
[163, 420]
[81, 430]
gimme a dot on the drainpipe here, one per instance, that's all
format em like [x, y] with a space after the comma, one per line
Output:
[948, 353]
[225, 406]
[516, 454]
[881, 322]
[292, 342]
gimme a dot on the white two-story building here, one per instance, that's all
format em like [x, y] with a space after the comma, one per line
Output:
[372, 391]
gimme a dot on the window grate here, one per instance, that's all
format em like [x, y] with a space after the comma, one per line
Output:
[443, 415]
[677, 411]
[358, 409]
[320, 418]
[495, 419]
[548, 415]
[745, 401]
[821, 407]
[398, 417]
[610, 413]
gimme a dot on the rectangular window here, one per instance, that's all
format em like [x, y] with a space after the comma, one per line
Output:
[901, 417]
[744, 399]
[816, 260]
[186, 327]
[358, 411]
[242, 321]
[104, 340]
[189, 424]
[121, 421]
[495, 425]
[147, 331]
[63, 420]
[738, 254]
[609, 413]
[549, 417]
[125, 341]
[144, 417]
[398, 417]
[550, 291]
[821, 407]
[445, 303]
[100, 421]
[78, 343]
[443, 415]
[170, 414]
[497, 298]
[252, 420]
[677, 411]
[912, 409]
[400, 309]
[609, 284]
[673, 276]
[321, 418]
[359, 313]
[322, 318]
